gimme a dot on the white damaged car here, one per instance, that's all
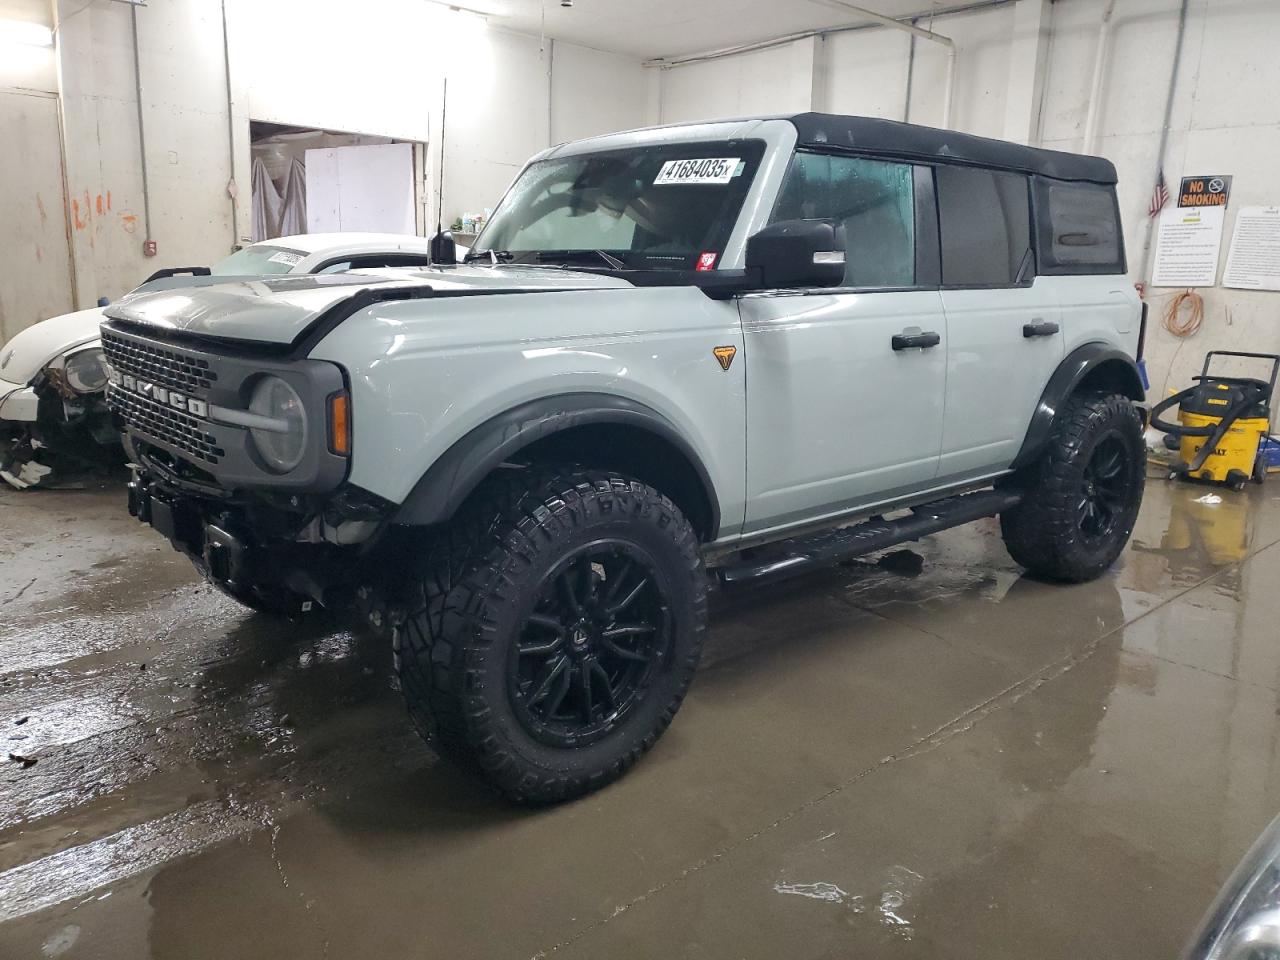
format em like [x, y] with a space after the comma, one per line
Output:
[53, 414]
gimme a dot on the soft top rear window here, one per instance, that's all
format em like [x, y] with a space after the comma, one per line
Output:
[1078, 226]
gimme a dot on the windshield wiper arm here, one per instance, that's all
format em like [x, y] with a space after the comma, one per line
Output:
[612, 262]
[493, 256]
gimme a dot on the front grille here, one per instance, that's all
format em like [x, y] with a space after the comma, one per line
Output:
[169, 368]
[162, 422]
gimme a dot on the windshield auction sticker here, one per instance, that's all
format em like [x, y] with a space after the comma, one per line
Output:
[285, 256]
[712, 170]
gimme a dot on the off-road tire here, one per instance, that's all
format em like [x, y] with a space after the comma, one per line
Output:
[1044, 533]
[464, 612]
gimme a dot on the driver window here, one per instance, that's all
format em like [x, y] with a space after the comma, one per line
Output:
[875, 202]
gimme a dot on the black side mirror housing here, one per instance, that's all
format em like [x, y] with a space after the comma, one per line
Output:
[797, 253]
[443, 249]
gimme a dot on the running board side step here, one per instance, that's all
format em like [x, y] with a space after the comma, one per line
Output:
[791, 557]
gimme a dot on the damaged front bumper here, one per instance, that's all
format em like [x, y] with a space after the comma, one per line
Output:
[46, 437]
[250, 542]
[18, 403]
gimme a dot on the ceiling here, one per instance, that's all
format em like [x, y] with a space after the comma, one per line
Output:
[664, 28]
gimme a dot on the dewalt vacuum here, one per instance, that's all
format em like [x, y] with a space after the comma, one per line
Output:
[1222, 423]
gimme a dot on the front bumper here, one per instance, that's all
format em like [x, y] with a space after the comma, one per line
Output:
[18, 402]
[247, 541]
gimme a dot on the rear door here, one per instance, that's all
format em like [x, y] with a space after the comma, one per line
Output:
[841, 411]
[1004, 337]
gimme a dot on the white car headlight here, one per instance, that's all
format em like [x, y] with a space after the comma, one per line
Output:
[283, 442]
[1244, 921]
[85, 371]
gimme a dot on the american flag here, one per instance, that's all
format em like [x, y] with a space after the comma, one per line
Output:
[1159, 197]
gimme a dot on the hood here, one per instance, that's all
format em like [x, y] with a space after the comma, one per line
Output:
[281, 310]
[29, 350]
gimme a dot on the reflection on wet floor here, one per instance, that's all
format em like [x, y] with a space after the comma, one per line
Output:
[918, 755]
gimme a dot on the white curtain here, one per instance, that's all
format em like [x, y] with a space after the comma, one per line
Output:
[293, 213]
[266, 203]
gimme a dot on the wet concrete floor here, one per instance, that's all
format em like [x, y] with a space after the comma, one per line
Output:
[884, 760]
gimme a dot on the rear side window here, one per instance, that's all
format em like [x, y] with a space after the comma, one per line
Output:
[1079, 228]
[873, 200]
[985, 221]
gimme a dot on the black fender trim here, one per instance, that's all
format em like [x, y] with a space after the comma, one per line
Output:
[1071, 373]
[447, 482]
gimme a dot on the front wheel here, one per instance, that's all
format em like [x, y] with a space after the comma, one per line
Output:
[1081, 499]
[555, 630]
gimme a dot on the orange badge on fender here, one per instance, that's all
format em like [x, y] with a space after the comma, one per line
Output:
[725, 355]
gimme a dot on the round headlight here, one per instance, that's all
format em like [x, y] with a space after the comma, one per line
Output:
[86, 371]
[282, 442]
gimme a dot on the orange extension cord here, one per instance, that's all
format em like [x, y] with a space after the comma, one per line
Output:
[1176, 323]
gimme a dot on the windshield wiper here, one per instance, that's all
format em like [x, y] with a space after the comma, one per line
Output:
[612, 262]
[493, 256]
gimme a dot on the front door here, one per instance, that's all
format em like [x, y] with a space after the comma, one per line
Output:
[845, 386]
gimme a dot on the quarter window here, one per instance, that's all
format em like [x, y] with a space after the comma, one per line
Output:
[1081, 231]
[985, 221]
[875, 203]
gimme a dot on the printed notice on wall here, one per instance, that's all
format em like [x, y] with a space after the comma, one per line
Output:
[1189, 235]
[1188, 240]
[1253, 262]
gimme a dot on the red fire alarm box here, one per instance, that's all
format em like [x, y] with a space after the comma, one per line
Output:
[148, 248]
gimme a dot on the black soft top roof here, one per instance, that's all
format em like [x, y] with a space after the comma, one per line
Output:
[911, 142]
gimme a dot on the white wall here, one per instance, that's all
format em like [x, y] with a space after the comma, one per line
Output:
[1226, 115]
[28, 67]
[33, 242]
[771, 81]
[591, 89]
[185, 115]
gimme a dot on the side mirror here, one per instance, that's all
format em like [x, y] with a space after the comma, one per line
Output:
[797, 253]
[443, 249]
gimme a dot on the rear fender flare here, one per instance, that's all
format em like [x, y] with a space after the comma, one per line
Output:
[1100, 363]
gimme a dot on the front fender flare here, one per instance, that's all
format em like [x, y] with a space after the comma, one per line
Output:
[1092, 361]
[447, 483]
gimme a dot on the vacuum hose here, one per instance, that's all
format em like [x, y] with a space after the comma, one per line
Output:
[1251, 395]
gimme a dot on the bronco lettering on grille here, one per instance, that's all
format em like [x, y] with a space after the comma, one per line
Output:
[163, 395]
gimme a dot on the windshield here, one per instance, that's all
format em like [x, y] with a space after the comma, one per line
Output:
[668, 206]
[259, 260]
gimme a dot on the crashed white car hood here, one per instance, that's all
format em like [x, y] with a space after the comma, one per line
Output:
[27, 353]
[280, 310]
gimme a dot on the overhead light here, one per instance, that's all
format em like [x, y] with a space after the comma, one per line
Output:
[25, 33]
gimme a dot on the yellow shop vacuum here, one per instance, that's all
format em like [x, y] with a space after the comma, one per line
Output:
[1223, 423]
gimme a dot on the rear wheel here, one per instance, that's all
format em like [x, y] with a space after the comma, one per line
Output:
[554, 630]
[1082, 498]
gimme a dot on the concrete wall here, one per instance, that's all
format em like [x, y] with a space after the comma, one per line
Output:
[299, 62]
[1024, 72]
[35, 279]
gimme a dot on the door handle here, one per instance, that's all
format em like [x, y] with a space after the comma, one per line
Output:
[905, 341]
[1039, 328]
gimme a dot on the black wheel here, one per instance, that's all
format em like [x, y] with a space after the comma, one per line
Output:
[1082, 497]
[1260, 469]
[553, 630]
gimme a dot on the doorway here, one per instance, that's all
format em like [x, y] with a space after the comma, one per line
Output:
[308, 180]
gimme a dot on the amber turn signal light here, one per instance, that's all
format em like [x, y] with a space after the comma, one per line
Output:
[340, 424]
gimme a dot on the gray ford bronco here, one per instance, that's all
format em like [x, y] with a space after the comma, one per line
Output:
[709, 353]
